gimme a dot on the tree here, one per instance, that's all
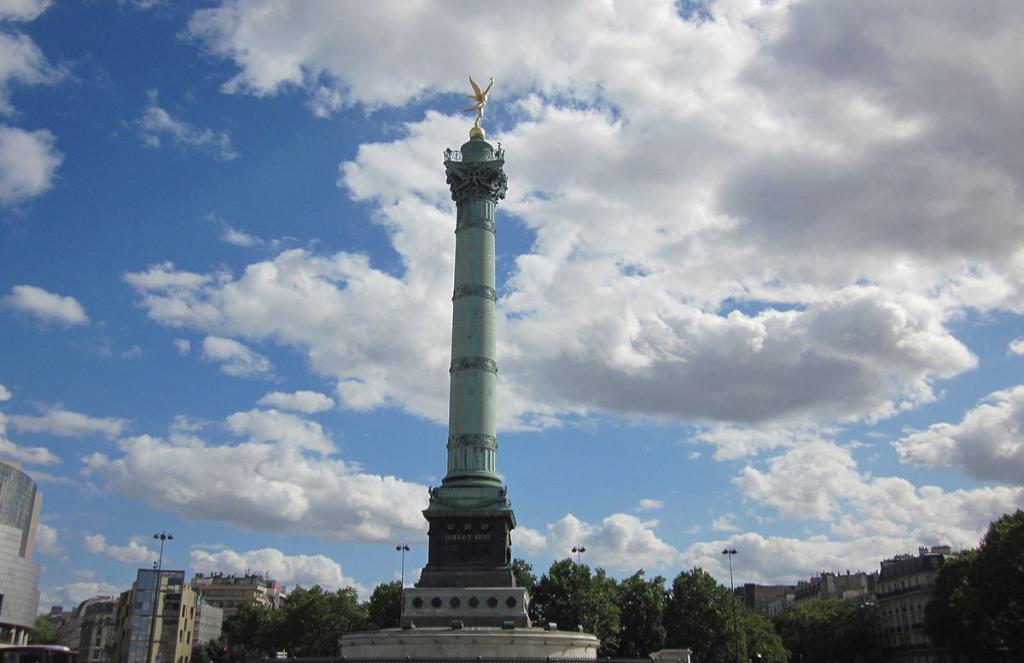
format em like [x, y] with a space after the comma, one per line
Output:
[698, 615]
[568, 595]
[601, 611]
[42, 632]
[978, 603]
[384, 608]
[523, 573]
[641, 613]
[951, 617]
[251, 633]
[830, 631]
[997, 577]
[313, 620]
[760, 638]
[558, 594]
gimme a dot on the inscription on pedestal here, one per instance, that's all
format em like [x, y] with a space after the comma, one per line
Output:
[468, 552]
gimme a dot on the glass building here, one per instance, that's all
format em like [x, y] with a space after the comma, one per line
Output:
[19, 575]
[159, 608]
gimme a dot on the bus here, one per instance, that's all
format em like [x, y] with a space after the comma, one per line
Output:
[37, 654]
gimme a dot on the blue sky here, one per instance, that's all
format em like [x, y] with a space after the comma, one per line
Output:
[760, 272]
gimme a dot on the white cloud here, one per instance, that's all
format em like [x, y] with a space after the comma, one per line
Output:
[21, 454]
[799, 232]
[22, 10]
[271, 425]
[647, 504]
[820, 481]
[183, 346]
[776, 559]
[733, 442]
[28, 163]
[134, 553]
[291, 570]
[73, 593]
[165, 277]
[236, 358]
[58, 421]
[281, 478]
[529, 540]
[309, 402]
[620, 541]
[47, 541]
[237, 237]
[1016, 346]
[46, 306]
[724, 523]
[869, 353]
[157, 124]
[21, 61]
[988, 443]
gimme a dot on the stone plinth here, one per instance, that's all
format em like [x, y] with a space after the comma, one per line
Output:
[470, 642]
[474, 606]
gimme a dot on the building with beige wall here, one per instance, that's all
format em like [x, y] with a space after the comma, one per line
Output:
[161, 607]
[905, 586]
[231, 592]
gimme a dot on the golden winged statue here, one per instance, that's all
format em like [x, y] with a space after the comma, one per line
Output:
[480, 99]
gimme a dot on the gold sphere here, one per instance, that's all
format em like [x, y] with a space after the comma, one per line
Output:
[476, 132]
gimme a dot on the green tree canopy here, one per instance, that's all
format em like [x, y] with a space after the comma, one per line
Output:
[951, 617]
[568, 595]
[830, 631]
[642, 615]
[699, 616]
[977, 607]
[384, 609]
[42, 632]
[997, 576]
[252, 632]
[313, 620]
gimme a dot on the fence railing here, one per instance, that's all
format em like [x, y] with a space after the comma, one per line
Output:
[456, 156]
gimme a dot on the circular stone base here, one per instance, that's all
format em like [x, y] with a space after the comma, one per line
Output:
[469, 642]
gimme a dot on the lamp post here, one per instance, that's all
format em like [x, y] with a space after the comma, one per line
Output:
[164, 537]
[579, 550]
[403, 548]
[729, 552]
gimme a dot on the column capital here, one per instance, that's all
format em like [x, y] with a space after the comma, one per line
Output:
[476, 179]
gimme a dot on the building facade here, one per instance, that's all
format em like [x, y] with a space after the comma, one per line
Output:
[857, 586]
[905, 587]
[20, 503]
[759, 598]
[97, 631]
[231, 592]
[209, 622]
[159, 608]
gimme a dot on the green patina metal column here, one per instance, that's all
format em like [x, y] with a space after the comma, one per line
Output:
[469, 515]
[477, 183]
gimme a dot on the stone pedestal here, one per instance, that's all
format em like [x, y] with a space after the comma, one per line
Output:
[471, 642]
[472, 606]
[469, 549]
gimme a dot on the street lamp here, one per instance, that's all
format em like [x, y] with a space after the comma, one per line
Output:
[579, 550]
[164, 537]
[403, 548]
[729, 552]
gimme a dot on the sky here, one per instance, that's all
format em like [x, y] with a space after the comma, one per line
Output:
[760, 278]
